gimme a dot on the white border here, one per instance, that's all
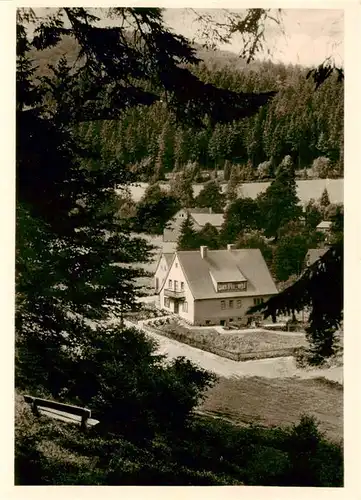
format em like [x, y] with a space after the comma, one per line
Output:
[352, 487]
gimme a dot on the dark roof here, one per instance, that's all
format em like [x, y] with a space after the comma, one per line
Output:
[224, 265]
[168, 257]
[314, 254]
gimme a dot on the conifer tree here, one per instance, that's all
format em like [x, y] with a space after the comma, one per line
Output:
[181, 188]
[233, 183]
[324, 200]
[279, 204]
[188, 238]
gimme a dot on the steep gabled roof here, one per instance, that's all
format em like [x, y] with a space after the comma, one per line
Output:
[215, 220]
[248, 263]
[168, 258]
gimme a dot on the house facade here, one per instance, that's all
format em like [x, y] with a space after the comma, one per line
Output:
[200, 217]
[216, 287]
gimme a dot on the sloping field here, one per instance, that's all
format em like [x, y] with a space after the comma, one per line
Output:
[306, 189]
[278, 401]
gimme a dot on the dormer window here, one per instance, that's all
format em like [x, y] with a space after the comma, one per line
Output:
[233, 286]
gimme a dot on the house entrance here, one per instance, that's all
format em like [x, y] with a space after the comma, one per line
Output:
[176, 307]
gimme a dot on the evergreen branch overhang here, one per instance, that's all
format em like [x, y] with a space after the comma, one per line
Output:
[320, 286]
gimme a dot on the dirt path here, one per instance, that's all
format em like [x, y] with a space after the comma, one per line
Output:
[268, 368]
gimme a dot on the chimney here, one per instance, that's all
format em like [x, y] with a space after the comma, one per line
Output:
[203, 252]
[230, 247]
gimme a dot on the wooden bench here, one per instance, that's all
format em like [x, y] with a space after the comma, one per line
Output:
[61, 411]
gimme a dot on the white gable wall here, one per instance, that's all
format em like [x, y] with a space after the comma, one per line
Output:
[176, 274]
[160, 274]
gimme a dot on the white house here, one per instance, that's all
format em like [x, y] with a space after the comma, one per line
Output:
[200, 217]
[216, 287]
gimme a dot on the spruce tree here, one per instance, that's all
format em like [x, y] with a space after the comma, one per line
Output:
[188, 238]
[279, 204]
[181, 188]
[324, 200]
[233, 183]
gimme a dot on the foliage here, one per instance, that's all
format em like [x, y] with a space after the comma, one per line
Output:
[309, 291]
[208, 236]
[289, 256]
[241, 216]
[325, 199]
[181, 187]
[313, 214]
[279, 204]
[207, 452]
[321, 166]
[211, 196]
[292, 123]
[264, 170]
[154, 210]
[188, 238]
[233, 183]
[255, 239]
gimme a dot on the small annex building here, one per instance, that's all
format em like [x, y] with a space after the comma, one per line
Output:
[200, 217]
[215, 287]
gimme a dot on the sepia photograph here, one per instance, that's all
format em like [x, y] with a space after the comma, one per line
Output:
[179, 260]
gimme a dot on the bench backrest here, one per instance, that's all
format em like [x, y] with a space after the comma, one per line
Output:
[36, 403]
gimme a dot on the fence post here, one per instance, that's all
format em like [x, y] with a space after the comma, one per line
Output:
[35, 408]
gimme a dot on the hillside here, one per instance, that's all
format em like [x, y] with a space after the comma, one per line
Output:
[299, 121]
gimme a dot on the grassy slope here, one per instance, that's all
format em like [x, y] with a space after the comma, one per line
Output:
[278, 401]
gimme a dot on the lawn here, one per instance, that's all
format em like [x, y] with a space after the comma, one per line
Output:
[278, 401]
[253, 344]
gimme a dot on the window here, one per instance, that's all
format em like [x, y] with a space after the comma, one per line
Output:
[223, 287]
[231, 304]
[223, 304]
[176, 264]
[185, 306]
[231, 320]
[239, 304]
[175, 285]
[208, 322]
[257, 301]
[166, 302]
[170, 284]
[182, 286]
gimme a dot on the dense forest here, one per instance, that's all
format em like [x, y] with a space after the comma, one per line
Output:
[299, 122]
